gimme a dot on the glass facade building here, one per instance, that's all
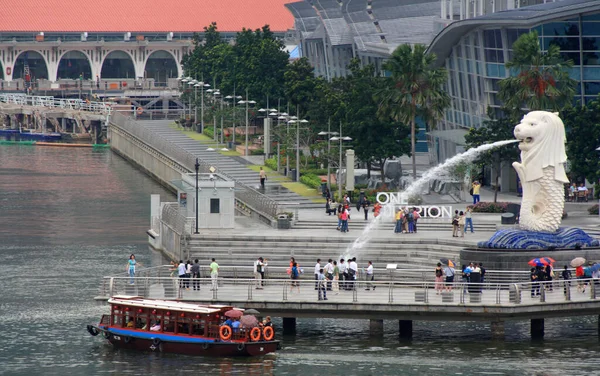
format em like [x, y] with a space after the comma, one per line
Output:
[475, 51]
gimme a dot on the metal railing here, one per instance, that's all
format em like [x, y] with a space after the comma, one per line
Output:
[245, 195]
[52, 102]
[364, 292]
[381, 275]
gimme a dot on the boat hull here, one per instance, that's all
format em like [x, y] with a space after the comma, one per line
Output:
[214, 349]
[178, 345]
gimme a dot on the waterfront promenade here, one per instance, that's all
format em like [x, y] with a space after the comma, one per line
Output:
[385, 300]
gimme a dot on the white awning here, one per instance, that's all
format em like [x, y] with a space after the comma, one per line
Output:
[456, 136]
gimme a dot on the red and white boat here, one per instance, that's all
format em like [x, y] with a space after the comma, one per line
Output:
[183, 328]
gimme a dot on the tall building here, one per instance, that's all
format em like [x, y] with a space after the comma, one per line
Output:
[474, 51]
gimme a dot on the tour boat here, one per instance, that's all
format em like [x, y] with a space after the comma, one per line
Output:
[182, 328]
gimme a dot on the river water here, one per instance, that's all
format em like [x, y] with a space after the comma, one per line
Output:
[70, 216]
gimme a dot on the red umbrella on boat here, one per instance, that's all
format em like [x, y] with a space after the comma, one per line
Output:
[541, 261]
[234, 313]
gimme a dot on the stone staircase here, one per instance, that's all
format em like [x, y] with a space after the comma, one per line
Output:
[236, 167]
[244, 249]
[359, 224]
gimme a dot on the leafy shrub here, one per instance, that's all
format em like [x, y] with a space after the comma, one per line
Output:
[209, 132]
[315, 171]
[271, 163]
[259, 152]
[490, 207]
[593, 210]
[311, 180]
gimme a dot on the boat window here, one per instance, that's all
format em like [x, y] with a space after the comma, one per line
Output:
[117, 316]
[198, 327]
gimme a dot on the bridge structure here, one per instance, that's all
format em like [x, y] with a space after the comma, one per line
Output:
[401, 296]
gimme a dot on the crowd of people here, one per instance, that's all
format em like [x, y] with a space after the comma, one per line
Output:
[406, 221]
[472, 276]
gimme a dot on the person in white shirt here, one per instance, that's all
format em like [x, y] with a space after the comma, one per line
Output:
[329, 273]
[259, 272]
[352, 272]
[370, 277]
[181, 272]
[343, 273]
[317, 269]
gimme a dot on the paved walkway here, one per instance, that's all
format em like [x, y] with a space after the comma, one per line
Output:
[237, 167]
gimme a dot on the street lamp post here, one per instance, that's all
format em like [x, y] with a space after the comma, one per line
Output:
[341, 139]
[197, 167]
[234, 99]
[328, 133]
[298, 122]
[202, 104]
[247, 103]
[191, 83]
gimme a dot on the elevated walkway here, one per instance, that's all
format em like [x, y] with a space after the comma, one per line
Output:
[234, 166]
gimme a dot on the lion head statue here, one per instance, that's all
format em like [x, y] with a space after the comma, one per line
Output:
[542, 136]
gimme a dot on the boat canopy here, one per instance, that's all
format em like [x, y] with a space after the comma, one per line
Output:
[134, 301]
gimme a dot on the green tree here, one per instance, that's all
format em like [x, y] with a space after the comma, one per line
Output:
[583, 138]
[375, 139]
[413, 90]
[539, 80]
[491, 131]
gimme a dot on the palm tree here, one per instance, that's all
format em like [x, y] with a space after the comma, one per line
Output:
[539, 81]
[414, 89]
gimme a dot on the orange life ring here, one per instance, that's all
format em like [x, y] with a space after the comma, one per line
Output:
[255, 334]
[139, 110]
[225, 332]
[268, 333]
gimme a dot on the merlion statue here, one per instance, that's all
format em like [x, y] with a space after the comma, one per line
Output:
[542, 172]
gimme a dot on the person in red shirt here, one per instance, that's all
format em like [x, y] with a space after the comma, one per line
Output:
[579, 273]
[416, 217]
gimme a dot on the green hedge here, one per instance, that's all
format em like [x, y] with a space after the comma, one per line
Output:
[593, 210]
[258, 152]
[271, 163]
[209, 131]
[311, 180]
[490, 207]
[315, 171]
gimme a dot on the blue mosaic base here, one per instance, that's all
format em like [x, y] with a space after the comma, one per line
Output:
[565, 237]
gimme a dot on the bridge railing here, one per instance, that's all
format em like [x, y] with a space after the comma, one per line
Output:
[364, 292]
[52, 102]
[245, 195]
[400, 275]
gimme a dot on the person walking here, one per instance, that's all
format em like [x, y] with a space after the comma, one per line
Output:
[317, 269]
[322, 281]
[340, 209]
[566, 276]
[370, 277]
[335, 286]
[214, 274]
[475, 187]
[329, 273]
[411, 221]
[131, 268]
[188, 274]
[352, 274]
[196, 275]
[365, 205]
[439, 279]
[398, 227]
[449, 273]
[416, 217]
[344, 217]
[258, 272]
[295, 276]
[549, 272]
[343, 273]
[181, 273]
[455, 219]
[263, 176]
[468, 219]
[461, 224]
[533, 276]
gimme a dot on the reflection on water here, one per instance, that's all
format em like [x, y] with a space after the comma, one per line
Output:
[71, 216]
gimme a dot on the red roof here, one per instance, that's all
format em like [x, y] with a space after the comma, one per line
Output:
[143, 16]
